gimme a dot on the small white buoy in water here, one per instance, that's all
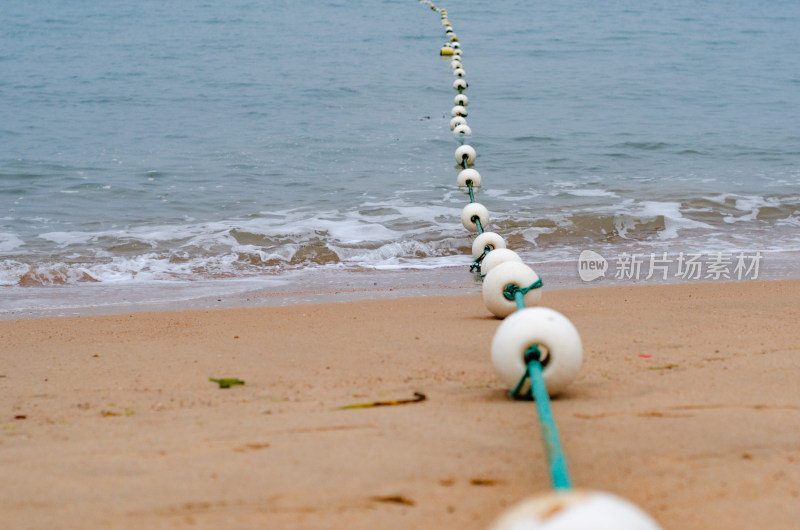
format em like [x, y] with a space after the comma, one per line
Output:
[463, 129]
[458, 110]
[458, 120]
[465, 176]
[459, 72]
[459, 84]
[492, 240]
[465, 151]
[474, 209]
[457, 53]
[455, 44]
[498, 256]
[455, 63]
[575, 510]
[556, 337]
[461, 99]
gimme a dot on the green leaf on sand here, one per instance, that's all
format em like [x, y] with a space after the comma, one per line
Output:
[226, 383]
[416, 399]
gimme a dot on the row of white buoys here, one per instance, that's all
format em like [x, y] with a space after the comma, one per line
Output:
[510, 291]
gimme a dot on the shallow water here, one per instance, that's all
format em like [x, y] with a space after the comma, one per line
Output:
[145, 144]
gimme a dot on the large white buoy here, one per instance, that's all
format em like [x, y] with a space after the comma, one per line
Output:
[459, 72]
[496, 257]
[458, 110]
[575, 510]
[465, 176]
[463, 129]
[487, 239]
[465, 151]
[500, 277]
[455, 63]
[474, 209]
[460, 84]
[556, 337]
[461, 99]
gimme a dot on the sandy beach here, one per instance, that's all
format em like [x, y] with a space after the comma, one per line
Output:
[687, 404]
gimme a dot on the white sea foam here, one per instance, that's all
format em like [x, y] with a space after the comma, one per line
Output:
[592, 192]
[11, 271]
[633, 214]
[9, 242]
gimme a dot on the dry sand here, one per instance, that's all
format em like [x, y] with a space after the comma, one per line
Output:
[687, 404]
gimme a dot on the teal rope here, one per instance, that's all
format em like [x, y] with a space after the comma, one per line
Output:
[559, 474]
[476, 264]
[519, 297]
[464, 162]
[477, 220]
[471, 193]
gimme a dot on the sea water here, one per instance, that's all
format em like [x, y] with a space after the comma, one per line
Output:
[155, 146]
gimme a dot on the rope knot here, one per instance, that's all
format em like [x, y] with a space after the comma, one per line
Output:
[511, 290]
[476, 264]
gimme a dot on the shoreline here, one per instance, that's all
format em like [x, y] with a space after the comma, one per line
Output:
[686, 405]
[323, 286]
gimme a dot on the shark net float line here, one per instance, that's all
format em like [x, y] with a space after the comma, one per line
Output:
[535, 351]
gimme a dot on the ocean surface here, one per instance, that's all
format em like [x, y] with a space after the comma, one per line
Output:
[153, 147]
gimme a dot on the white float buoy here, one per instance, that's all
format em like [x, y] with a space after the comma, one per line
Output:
[461, 99]
[469, 175]
[487, 239]
[463, 129]
[455, 45]
[458, 110]
[556, 337]
[575, 509]
[498, 256]
[465, 151]
[503, 275]
[459, 72]
[459, 84]
[458, 120]
[474, 209]
[455, 63]
[457, 53]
